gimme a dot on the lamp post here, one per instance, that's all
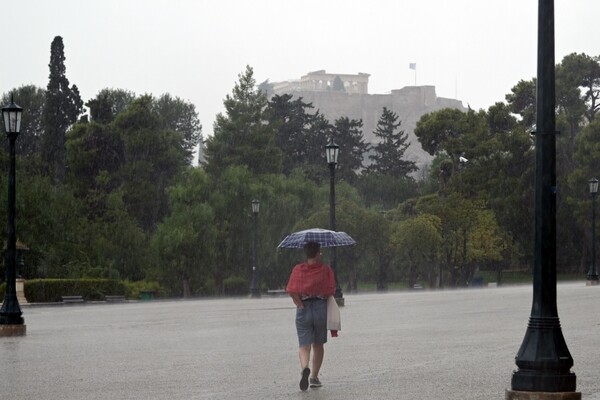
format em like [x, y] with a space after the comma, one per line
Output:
[543, 359]
[381, 285]
[592, 276]
[332, 151]
[11, 320]
[254, 286]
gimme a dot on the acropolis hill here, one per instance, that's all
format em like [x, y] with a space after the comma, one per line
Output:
[355, 102]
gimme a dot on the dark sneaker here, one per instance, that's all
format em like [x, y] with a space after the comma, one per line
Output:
[304, 380]
[315, 383]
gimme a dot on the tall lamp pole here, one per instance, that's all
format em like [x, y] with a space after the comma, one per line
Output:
[592, 276]
[332, 151]
[254, 287]
[543, 359]
[11, 320]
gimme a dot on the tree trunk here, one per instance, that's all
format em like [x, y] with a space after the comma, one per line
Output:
[187, 287]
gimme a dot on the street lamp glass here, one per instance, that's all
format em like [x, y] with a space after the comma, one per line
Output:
[593, 185]
[332, 150]
[12, 117]
[255, 206]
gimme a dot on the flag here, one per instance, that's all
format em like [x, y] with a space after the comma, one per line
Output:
[412, 66]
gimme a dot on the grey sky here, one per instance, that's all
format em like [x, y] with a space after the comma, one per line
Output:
[474, 50]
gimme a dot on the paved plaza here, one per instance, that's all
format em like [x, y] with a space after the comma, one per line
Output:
[451, 344]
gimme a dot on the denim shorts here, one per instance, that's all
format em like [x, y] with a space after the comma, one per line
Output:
[311, 322]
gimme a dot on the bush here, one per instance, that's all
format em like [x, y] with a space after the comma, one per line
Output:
[235, 286]
[51, 290]
[208, 288]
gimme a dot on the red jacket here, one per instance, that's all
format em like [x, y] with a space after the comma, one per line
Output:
[312, 280]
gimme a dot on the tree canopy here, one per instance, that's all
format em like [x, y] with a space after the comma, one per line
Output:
[388, 154]
[121, 185]
[241, 136]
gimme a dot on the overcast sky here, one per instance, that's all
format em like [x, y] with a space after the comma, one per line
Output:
[473, 50]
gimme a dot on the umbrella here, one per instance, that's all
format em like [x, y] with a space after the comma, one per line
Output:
[324, 237]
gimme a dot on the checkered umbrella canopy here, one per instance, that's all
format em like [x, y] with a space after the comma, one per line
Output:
[324, 237]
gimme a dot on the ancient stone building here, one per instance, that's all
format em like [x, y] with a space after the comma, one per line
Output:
[321, 81]
[410, 103]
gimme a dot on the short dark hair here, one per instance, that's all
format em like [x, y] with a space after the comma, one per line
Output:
[311, 249]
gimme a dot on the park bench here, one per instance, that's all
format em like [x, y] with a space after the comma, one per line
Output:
[114, 298]
[72, 299]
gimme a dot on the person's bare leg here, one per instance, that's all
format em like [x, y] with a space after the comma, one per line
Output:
[304, 354]
[318, 353]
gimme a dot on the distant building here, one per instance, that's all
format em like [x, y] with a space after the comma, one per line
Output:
[354, 102]
[321, 81]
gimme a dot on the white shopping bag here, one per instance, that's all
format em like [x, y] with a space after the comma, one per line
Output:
[334, 322]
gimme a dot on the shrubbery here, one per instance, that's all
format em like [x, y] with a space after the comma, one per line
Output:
[235, 286]
[51, 290]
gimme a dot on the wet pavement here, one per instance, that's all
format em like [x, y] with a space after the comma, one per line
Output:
[451, 344]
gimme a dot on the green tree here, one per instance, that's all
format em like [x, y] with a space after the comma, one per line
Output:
[115, 245]
[283, 202]
[578, 199]
[379, 227]
[242, 136]
[108, 103]
[230, 198]
[153, 158]
[41, 208]
[503, 178]
[521, 101]
[354, 262]
[293, 129]
[457, 137]
[315, 164]
[388, 153]
[62, 109]
[457, 222]
[96, 153]
[32, 99]
[496, 167]
[180, 116]
[137, 153]
[185, 240]
[577, 72]
[441, 131]
[385, 191]
[500, 119]
[488, 243]
[348, 135]
[416, 242]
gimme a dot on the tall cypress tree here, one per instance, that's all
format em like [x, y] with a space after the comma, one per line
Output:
[63, 107]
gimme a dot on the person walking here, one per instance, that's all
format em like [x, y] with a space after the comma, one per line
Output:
[309, 286]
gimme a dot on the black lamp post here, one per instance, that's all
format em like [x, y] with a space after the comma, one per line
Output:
[254, 286]
[592, 275]
[543, 359]
[332, 151]
[11, 321]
